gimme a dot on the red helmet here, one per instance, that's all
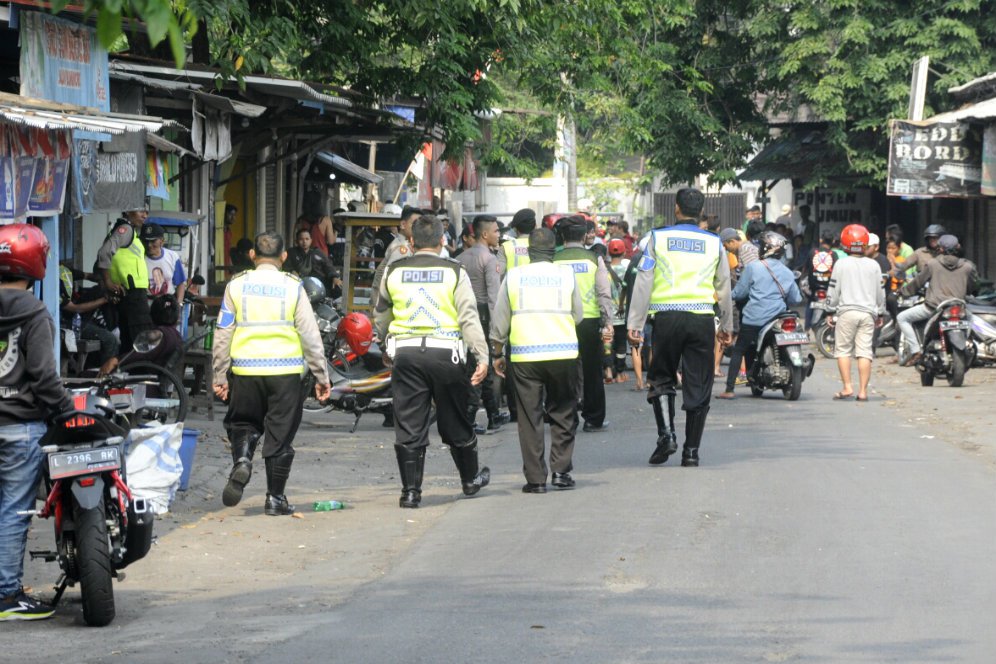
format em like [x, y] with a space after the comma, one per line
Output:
[551, 219]
[23, 251]
[854, 238]
[616, 247]
[355, 328]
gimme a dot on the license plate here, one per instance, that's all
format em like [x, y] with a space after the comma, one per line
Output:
[791, 338]
[83, 462]
[954, 325]
[818, 305]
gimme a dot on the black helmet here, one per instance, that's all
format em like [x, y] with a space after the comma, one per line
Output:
[315, 289]
[772, 244]
[934, 230]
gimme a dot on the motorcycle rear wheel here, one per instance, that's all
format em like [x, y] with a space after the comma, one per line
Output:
[959, 365]
[794, 388]
[825, 341]
[94, 564]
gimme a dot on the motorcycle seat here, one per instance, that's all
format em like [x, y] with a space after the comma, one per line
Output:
[981, 308]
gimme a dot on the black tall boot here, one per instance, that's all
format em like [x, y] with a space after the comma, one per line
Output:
[411, 464]
[694, 427]
[667, 441]
[243, 448]
[277, 471]
[466, 461]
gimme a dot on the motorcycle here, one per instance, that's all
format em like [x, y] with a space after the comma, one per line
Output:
[823, 332]
[100, 528]
[947, 349]
[983, 321]
[780, 364]
[361, 383]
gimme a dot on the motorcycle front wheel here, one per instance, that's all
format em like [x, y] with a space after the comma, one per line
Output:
[825, 340]
[959, 365]
[94, 565]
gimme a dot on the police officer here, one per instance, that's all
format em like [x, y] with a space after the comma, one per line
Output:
[537, 311]
[125, 276]
[515, 250]
[427, 312]
[266, 334]
[681, 276]
[592, 278]
[400, 247]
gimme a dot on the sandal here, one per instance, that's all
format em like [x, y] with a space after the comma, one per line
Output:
[865, 398]
[728, 396]
[840, 396]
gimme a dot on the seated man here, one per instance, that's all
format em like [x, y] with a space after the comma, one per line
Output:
[768, 286]
[88, 304]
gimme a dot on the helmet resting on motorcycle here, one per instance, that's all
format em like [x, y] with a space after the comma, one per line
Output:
[23, 251]
[772, 245]
[854, 239]
[934, 230]
[356, 330]
[315, 289]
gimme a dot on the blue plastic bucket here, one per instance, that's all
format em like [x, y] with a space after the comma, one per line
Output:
[187, 448]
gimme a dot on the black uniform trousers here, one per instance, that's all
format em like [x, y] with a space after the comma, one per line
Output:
[133, 316]
[421, 376]
[744, 349]
[591, 350]
[558, 380]
[484, 393]
[268, 405]
[686, 341]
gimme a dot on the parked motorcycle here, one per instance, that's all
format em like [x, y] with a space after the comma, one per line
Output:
[823, 332]
[947, 349]
[361, 383]
[780, 364]
[983, 322]
[99, 527]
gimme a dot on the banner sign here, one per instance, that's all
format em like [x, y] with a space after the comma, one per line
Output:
[62, 61]
[989, 161]
[156, 174]
[84, 175]
[120, 174]
[833, 209]
[940, 160]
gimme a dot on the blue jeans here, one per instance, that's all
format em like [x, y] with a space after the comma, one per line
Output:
[906, 320]
[20, 469]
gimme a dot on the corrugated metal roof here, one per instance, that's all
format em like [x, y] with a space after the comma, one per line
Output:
[42, 114]
[219, 102]
[798, 153]
[984, 110]
[348, 168]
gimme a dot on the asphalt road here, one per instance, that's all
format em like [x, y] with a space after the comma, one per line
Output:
[813, 531]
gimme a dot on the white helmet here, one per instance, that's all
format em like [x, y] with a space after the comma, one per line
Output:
[772, 245]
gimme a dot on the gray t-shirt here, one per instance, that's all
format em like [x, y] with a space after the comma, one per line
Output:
[482, 268]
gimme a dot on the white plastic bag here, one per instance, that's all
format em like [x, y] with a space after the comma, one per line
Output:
[153, 464]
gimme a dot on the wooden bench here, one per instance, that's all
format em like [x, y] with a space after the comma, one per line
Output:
[83, 349]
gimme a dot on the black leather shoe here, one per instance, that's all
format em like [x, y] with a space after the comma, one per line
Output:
[237, 481]
[278, 506]
[666, 446]
[529, 487]
[690, 458]
[591, 428]
[562, 481]
[410, 498]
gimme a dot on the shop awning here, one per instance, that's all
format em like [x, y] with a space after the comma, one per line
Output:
[800, 152]
[194, 90]
[41, 114]
[348, 169]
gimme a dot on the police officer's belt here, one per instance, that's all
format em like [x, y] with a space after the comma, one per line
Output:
[427, 342]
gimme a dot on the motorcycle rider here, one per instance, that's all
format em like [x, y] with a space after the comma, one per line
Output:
[817, 271]
[946, 277]
[768, 287]
[30, 391]
[926, 253]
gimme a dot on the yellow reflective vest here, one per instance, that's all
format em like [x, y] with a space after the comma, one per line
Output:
[130, 261]
[422, 289]
[686, 262]
[584, 263]
[540, 297]
[516, 252]
[266, 341]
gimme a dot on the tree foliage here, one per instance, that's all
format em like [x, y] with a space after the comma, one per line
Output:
[685, 83]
